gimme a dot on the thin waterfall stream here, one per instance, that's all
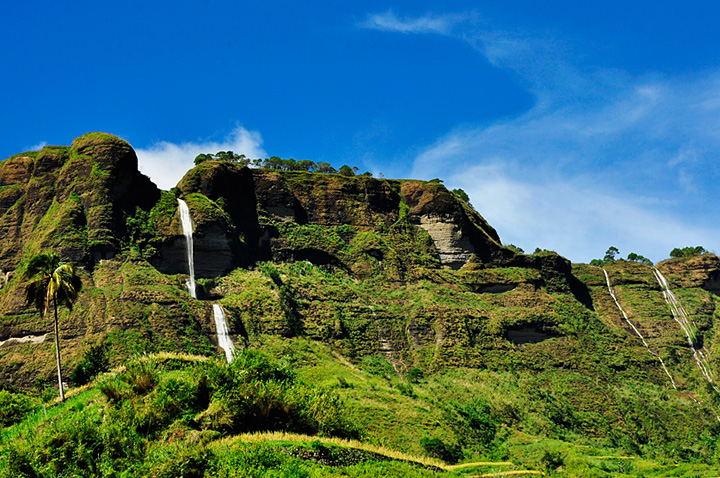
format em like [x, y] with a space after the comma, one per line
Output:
[221, 325]
[223, 334]
[617, 303]
[687, 325]
[187, 231]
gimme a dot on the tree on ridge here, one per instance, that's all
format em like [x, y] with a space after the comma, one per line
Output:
[50, 279]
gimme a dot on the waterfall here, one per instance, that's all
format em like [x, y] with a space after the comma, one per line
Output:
[187, 231]
[612, 294]
[221, 325]
[223, 334]
[688, 327]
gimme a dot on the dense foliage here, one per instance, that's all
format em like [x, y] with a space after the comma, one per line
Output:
[687, 251]
[160, 412]
[278, 163]
[611, 256]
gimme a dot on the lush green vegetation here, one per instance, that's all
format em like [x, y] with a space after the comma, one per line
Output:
[359, 354]
[687, 251]
[174, 415]
[158, 415]
[277, 163]
[611, 255]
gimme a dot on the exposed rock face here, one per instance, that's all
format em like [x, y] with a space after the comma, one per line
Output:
[363, 202]
[216, 249]
[458, 231]
[454, 248]
[72, 199]
[697, 271]
[326, 199]
[89, 202]
[233, 187]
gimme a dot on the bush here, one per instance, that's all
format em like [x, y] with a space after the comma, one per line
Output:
[14, 407]
[415, 375]
[346, 170]
[552, 460]
[113, 388]
[141, 375]
[477, 417]
[177, 461]
[256, 393]
[462, 195]
[93, 362]
[437, 448]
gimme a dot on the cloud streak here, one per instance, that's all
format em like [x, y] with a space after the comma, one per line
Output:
[166, 163]
[602, 158]
[389, 22]
[36, 147]
[573, 216]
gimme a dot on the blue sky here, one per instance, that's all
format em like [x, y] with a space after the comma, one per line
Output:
[573, 126]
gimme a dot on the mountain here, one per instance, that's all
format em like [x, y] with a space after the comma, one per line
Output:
[397, 294]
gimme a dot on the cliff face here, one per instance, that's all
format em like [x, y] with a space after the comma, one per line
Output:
[261, 202]
[89, 202]
[401, 270]
[70, 198]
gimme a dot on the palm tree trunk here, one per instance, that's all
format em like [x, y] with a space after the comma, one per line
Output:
[57, 351]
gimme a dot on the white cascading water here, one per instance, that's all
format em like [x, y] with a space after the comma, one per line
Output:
[187, 231]
[223, 333]
[683, 319]
[221, 325]
[612, 294]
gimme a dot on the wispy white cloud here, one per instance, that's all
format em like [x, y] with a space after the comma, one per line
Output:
[36, 147]
[428, 23]
[602, 158]
[166, 163]
[573, 216]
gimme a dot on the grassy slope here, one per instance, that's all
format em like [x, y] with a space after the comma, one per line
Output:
[556, 406]
[416, 350]
[151, 432]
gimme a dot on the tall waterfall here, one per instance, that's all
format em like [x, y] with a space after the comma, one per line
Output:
[223, 334]
[221, 325]
[688, 327]
[612, 294]
[187, 231]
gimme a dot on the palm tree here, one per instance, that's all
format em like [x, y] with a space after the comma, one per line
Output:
[51, 279]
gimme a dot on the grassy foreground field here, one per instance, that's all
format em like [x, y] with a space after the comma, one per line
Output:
[308, 412]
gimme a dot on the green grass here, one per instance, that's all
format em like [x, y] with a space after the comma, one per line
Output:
[158, 427]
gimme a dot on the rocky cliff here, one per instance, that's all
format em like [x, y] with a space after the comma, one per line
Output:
[89, 202]
[402, 270]
[72, 199]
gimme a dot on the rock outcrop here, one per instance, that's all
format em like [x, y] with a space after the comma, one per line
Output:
[401, 269]
[73, 199]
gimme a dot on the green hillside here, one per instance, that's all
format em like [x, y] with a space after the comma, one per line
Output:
[379, 324]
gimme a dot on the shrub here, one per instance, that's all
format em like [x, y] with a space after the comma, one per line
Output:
[256, 393]
[176, 461]
[14, 407]
[477, 417]
[437, 448]
[93, 362]
[462, 195]
[112, 387]
[552, 460]
[414, 375]
[346, 170]
[141, 375]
